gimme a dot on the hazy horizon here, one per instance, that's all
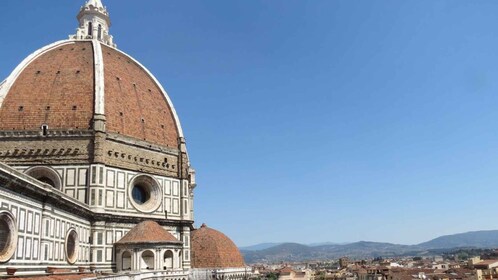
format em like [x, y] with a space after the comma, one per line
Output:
[350, 242]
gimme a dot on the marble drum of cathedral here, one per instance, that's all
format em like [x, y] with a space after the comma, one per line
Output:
[94, 170]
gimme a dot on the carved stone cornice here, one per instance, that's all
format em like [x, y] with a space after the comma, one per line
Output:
[37, 134]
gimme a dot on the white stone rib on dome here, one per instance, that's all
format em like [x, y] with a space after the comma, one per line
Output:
[99, 78]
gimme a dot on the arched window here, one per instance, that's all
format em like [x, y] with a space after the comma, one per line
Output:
[46, 175]
[126, 261]
[147, 261]
[168, 260]
[100, 32]
[90, 29]
[180, 259]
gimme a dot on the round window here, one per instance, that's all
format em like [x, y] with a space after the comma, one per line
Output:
[8, 236]
[72, 244]
[145, 193]
[140, 194]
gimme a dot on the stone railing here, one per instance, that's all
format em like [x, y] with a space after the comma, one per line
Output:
[236, 273]
[143, 275]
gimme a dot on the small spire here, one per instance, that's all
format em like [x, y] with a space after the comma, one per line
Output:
[94, 23]
[95, 3]
[203, 226]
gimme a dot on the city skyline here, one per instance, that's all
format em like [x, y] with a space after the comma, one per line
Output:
[316, 121]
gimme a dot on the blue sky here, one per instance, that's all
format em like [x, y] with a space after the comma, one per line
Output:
[313, 121]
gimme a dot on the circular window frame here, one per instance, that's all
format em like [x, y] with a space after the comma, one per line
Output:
[153, 189]
[72, 233]
[11, 244]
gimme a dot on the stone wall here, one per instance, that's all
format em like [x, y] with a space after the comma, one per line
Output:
[42, 229]
[58, 147]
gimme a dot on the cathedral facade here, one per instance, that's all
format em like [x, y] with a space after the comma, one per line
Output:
[94, 169]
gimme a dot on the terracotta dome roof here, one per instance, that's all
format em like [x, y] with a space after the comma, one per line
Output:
[66, 84]
[148, 232]
[213, 249]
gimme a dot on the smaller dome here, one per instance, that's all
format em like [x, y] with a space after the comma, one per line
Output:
[148, 232]
[213, 249]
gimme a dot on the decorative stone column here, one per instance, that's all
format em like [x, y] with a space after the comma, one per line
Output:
[45, 242]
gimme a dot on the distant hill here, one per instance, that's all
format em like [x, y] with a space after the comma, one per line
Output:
[478, 239]
[364, 249]
[327, 243]
[267, 245]
[282, 252]
[288, 252]
[260, 246]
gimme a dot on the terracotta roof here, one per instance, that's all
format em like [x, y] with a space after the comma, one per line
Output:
[57, 88]
[132, 95]
[486, 262]
[213, 249]
[55, 277]
[49, 87]
[362, 271]
[148, 232]
[286, 270]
